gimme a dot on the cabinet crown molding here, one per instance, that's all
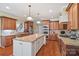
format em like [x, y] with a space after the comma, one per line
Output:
[68, 7]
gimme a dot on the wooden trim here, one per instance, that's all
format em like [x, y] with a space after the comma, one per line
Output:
[68, 7]
[54, 21]
[78, 14]
[63, 22]
[1, 32]
[46, 20]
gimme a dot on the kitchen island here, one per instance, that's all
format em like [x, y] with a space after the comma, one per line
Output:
[28, 45]
[68, 46]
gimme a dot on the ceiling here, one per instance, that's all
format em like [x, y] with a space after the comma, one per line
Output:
[45, 10]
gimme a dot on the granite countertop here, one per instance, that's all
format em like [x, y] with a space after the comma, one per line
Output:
[29, 38]
[68, 41]
[13, 34]
[7, 35]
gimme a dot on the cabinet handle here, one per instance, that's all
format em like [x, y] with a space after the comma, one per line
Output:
[20, 43]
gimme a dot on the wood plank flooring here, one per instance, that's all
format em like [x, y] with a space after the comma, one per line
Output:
[50, 49]
[7, 51]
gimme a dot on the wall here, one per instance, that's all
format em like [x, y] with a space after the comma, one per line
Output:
[17, 25]
[63, 18]
[8, 15]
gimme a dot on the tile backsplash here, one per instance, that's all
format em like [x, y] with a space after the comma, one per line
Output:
[6, 32]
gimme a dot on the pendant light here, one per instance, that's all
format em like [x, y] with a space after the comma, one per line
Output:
[38, 22]
[29, 18]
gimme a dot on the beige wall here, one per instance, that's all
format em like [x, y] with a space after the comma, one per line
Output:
[7, 15]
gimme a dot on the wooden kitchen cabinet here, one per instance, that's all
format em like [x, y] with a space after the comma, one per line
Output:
[51, 24]
[8, 40]
[62, 47]
[0, 24]
[13, 24]
[28, 27]
[73, 13]
[8, 23]
[46, 22]
[54, 25]
[63, 25]
[4, 23]
[74, 17]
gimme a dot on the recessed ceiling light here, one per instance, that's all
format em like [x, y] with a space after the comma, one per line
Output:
[7, 7]
[50, 11]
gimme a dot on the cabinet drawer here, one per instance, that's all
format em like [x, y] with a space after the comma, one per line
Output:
[18, 42]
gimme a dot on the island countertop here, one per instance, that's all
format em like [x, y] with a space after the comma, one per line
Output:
[29, 38]
[68, 41]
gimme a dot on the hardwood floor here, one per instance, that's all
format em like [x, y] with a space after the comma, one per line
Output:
[7, 51]
[1, 51]
[50, 49]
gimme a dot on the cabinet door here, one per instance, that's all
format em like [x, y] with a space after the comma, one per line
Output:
[0, 23]
[34, 48]
[8, 23]
[40, 42]
[9, 40]
[4, 23]
[13, 24]
[17, 48]
[25, 25]
[70, 18]
[75, 16]
[27, 49]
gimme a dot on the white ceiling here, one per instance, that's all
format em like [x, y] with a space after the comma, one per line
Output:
[21, 9]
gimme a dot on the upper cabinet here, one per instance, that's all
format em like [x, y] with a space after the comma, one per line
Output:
[46, 22]
[54, 25]
[8, 23]
[0, 23]
[63, 25]
[28, 27]
[73, 19]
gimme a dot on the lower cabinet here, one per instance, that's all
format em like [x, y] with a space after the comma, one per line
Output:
[21, 48]
[62, 48]
[8, 40]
